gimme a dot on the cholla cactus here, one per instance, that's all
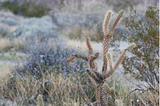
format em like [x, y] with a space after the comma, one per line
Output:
[94, 75]
[40, 100]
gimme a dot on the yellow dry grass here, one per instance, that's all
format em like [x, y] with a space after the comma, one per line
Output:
[4, 42]
[7, 43]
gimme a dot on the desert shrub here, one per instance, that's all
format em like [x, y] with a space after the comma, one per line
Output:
[35, 27]
[44, 57]
[125, 4]
[45, 60]
[3, 30]
[10, 21]
[25, 9]
[144, 31]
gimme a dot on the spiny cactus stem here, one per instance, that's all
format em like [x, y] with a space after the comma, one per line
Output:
[115, 23]
[98, 96]
[116, 65]
[120, 59]
[81, 56]
[89, 46]
[94, 76]
[106, 21]
[83, 94]
[110, 64]
[100, 76]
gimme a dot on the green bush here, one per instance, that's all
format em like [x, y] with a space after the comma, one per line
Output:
[26, 9]
[144, 31]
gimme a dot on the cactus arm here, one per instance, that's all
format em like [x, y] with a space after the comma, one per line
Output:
[120, 60]
[70, 59]
[78, 56]
[116, 65]
[120, 14]
[89, 46]
[104, 96]
[83, 94]
[106, 21]
[91, 59]
[98, 80]
[81, 56]
[95, 64]
[105, 50]
[110, 61]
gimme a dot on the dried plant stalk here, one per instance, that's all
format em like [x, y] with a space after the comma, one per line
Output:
[93, 82]
[83, 94]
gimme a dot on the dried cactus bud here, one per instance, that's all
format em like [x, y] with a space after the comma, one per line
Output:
[120, 14]
[112, 91]
[70, 59]
[106, 21]
[109, 56]
[131, 46]
[106, 86]
[40, 100]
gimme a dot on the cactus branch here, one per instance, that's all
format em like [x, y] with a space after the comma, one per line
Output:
[91, 59]
[70, 59]
[105, 50]
[104, 97]
[94, 76]
[81, 56]
[100, 76]
[106, 21]
[116, 65]
[110, 61]
[89, 46]
[120, 14]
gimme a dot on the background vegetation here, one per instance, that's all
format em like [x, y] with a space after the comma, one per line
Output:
[36, 37]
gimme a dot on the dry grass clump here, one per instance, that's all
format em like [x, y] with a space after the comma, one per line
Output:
[56, 89]
[6, 43]
[25, 89]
